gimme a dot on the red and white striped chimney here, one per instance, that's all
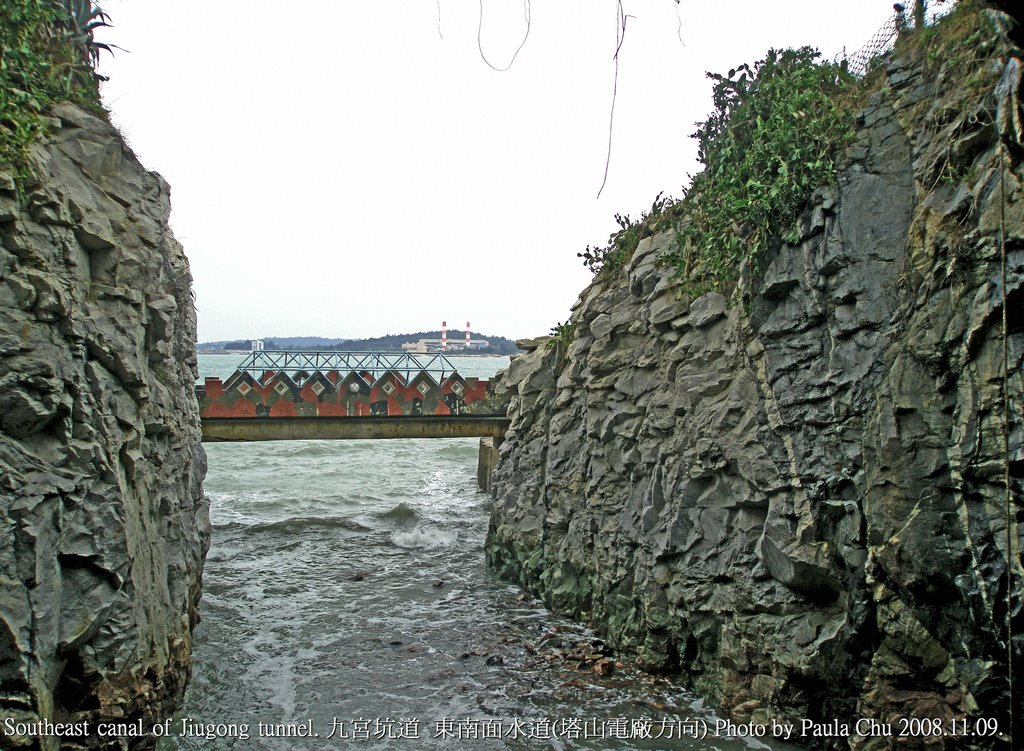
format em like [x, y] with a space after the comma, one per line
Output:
[444, 335]
[467, 334]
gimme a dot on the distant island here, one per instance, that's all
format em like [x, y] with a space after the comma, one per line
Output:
[418, 343]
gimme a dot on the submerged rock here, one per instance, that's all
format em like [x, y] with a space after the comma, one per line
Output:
[103, 522]
[803, 506]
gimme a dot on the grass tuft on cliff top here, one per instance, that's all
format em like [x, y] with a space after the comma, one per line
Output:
[47, 56]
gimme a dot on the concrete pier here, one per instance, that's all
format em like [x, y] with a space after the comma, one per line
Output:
[486, 462]
[340, 428]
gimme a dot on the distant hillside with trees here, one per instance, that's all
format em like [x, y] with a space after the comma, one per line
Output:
[497, 345]
[285, 342]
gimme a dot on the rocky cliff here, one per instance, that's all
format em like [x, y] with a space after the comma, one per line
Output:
[103, 523]
[809, 503]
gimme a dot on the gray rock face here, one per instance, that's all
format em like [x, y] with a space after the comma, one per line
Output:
[810, 509]
[103, 522]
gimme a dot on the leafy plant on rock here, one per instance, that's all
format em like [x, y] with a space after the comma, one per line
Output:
[772, 139]
[47, 55]
[77, 25]
[621, 244]
[562, 336]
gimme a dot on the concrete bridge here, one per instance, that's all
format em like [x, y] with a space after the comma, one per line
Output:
[217, 429]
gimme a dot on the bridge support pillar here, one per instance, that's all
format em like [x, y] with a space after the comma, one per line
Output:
[486, 463]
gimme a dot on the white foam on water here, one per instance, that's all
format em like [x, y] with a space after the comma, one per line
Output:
[425, 538]
[276, 675]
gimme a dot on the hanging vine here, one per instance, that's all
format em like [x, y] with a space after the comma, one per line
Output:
[479, 35]
[620, 37]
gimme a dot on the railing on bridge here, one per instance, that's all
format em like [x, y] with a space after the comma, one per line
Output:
[313, 383]
[302, 363]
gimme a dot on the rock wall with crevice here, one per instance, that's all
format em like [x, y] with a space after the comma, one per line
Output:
[103, 522]
[809, 505]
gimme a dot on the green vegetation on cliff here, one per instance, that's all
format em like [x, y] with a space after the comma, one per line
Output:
[47, 55]
[778, 131]
[773, 138]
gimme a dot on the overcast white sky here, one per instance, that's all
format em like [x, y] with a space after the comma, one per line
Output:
[341, 168]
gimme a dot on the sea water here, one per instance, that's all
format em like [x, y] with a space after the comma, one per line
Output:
[346, 603]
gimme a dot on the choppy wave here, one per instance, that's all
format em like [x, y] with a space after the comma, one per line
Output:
[402, 514]
[459, 451]
[297, 524]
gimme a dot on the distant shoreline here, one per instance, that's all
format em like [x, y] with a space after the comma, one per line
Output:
[431, 341]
